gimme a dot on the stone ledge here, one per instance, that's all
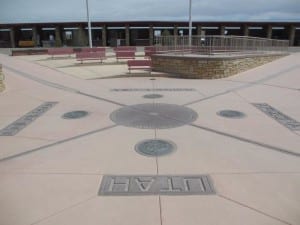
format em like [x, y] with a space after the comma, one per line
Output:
[2, 86]
[222, 56]
[210, 67]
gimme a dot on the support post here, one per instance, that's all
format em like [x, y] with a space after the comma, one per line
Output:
[151, 35]
[175, 34]
[104, 37]
[58, 41]
[269, 32]
[12, 36]
[81, 37]
[222, 30]
[199, 30]
[246, 30]
[292, 33]
[35, 36]
[127, 35]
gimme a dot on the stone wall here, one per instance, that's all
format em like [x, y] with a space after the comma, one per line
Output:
[208, 67]
[2, 87]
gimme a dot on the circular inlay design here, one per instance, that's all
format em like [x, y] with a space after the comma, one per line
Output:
[153, 116]
[153, 96]
[75, 114]
[155, 147]
[231, 114]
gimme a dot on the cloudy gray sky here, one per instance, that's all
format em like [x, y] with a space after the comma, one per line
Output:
[18, 11]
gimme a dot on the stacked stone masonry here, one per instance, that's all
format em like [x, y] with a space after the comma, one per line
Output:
[210, 67]
[2, 87]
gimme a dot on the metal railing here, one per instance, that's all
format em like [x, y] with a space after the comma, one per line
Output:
[211, 45]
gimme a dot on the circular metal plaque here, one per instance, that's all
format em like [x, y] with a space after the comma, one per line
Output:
[153, 96]
[231, 114]
[154, 116]
[75, 114]
[155, 147]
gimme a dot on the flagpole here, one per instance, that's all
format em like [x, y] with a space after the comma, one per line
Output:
[190, 24]
[89, 24]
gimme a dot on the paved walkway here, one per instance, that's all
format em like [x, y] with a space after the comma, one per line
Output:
[223, 170]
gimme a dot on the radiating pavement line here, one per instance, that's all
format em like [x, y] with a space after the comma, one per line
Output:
[256, 173]
[269, 77]
[253, 209]
[267, 146]
[64, 209]
[156, 159]
[56, 143]
[100, 98]
[268, 85]
[160, 210]
[60, 87]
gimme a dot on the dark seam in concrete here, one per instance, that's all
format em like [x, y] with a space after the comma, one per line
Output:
[281, 87]
[256, 210]
[60, 87]
[41, 81]
[50, 173]
[160, 210]
[245, 85]
[207, 98]
[152, 89]
[274, 148]
[269, 85]
[99, 98]
[254, 173]
[56, 143]
[64, 209]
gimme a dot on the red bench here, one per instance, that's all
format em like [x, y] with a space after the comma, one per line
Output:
[60, 51]
[93, 50]
[149, 48]
[125, 49]
[139, 65]
[149, 53]
[125, 55]
[84, 56]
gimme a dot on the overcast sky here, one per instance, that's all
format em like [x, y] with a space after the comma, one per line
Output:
[18, 11]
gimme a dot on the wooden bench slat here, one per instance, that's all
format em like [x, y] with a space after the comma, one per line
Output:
[60, 51]
[125, 55]
[97, 49]
[26, 43]
[125, 49]
[139, 65]
[83, 56]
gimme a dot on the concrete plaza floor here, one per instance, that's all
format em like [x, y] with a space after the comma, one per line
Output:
[51, 168]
